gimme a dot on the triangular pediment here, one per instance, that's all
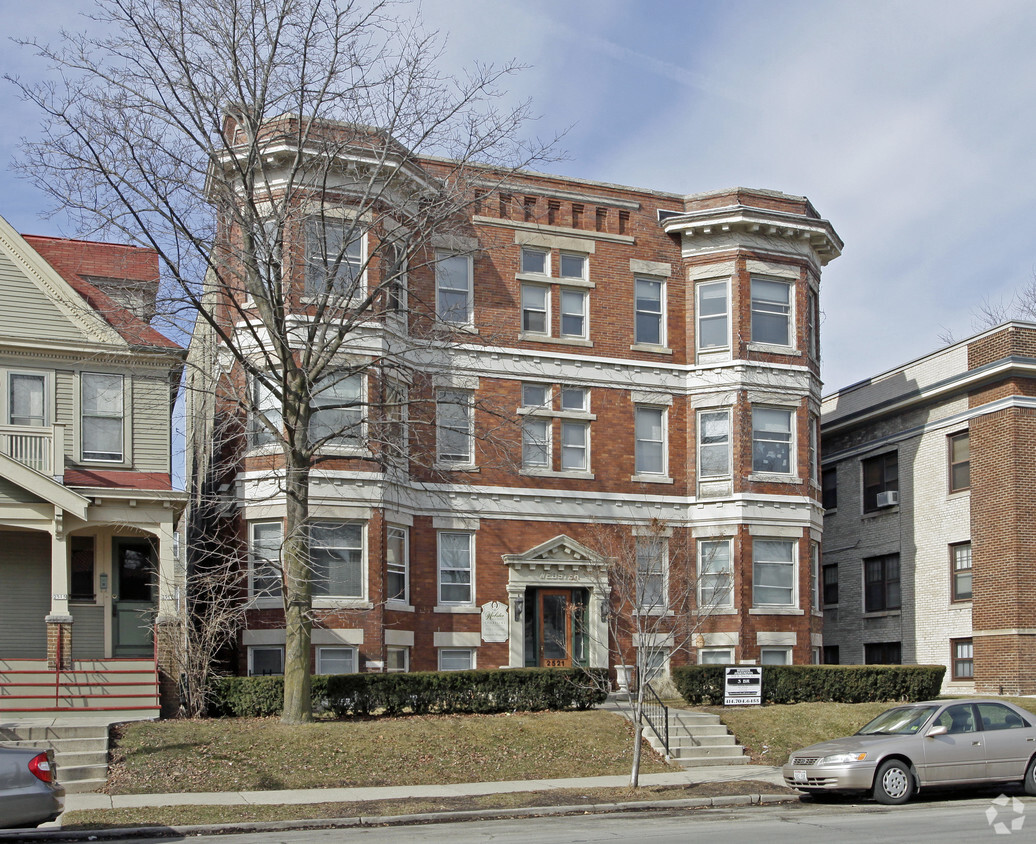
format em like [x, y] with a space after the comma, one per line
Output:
[39, 302]
[561, 550]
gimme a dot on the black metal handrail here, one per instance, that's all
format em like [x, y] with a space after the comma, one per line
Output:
[656, 714]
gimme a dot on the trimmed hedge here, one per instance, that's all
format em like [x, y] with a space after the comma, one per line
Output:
[447, 692]
[703, 684]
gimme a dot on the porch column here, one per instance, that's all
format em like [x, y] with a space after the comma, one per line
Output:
[516, 638]
[169, 650]
[170, 580]
[59, 619]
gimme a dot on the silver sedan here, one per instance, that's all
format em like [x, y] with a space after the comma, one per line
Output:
[920, 745]
[29, 791]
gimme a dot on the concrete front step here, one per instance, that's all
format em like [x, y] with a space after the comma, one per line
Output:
[80, 749]
[84, 786]
[726, 740]
[64, 746]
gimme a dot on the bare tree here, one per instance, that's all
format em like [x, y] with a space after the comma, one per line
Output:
[663, 589]
[276, 155]
[993, 312]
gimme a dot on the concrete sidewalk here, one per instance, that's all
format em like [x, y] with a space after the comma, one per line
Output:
[765, 775]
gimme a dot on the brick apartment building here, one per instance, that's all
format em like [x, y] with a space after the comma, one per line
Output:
[928, 475]
[640, 358]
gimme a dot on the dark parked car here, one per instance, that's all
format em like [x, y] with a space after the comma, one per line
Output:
[919, 745]
[29, 791]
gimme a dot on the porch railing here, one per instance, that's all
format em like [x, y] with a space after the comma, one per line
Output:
[656, 715]
[37, 448]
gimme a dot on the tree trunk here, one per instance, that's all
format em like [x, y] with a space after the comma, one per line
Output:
[298, 590]
[638, 738]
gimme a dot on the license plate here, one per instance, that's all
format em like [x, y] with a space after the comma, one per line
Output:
[800, 776]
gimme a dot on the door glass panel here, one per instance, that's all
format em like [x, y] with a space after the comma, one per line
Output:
[555, 627]
[136, 571]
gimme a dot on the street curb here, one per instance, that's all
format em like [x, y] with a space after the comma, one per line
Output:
[422, 818]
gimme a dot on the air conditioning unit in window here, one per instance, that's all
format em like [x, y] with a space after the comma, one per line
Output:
[888, 499]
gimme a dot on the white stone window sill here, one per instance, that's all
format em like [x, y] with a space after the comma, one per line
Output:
[396, 606]
[651, 479]
[774, 478]
[774, 349]
[457, 609]
[557, 341]
[455, 467]
[550, 473]
[776, 610]
[882, 614]
[265, 603]
[721, 611]
[342, 604]
[652, 348]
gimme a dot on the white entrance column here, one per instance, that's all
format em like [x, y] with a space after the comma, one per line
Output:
[59, 619]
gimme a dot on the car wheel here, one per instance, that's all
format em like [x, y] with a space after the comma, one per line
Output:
[894, 784]
[1030, 777]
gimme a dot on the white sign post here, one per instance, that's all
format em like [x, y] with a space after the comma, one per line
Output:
[743, 686]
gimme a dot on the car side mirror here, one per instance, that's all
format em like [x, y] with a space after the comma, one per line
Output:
[937, 730]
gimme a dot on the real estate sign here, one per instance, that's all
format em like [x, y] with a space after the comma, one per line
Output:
[743, 686]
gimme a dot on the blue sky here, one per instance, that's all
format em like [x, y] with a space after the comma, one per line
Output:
[910, 126]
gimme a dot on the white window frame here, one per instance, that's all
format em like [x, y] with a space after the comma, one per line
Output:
[258, 593]
[470, 568]
[471, 652]
[568, 449]
[784, 653]
[760, 436]
[790, 568]
[397, 649]
[538, 251]
[251, 657]
[454, 459]
[816, 587]
[528, 310]
[701, 317]
[401, 568]
[351, 270]
[708, 574]
[652, 561]
[45, 377]
[769, 308]
[537, 450]
[265, 402]
[662, 444]
[567, 392]
[324, 653]
[584, 264]
[568, 314]
[452, 315]
[327, 399]
[359, 549]
[100, 413]
[660, 315]
[396, 444]
[728, 654]
[726, 446]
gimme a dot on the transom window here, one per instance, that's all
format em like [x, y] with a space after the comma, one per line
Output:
[771, 440]
[102, 414]
[573, 398]
[771, 312]
[573, 266]
[960, 561]
[960, 461]
[648, 302]
[535, 261]
[881, 583]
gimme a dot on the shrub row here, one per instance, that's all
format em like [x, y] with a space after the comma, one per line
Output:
[703, 684]
[452, 692]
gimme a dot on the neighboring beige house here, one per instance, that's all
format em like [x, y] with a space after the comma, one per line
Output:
[87, 508]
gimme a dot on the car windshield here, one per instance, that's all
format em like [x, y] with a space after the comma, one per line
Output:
[901, 721]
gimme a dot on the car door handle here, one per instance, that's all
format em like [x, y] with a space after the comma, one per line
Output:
[1031, 738]
[976, 744]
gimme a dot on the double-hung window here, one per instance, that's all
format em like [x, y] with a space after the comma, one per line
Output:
[880, 481]
[713, 444]
[453, 285]
[960, 462]
[771, 440]
[650, 434]
[397, 564]
[573, 313]
[336, 660]
[455, 428]
[651, 575]
[334, 257]
[535, 309]
[27, 400]
[963, 655]
[649, 303]
[960, 562]
[456, 568]
[713, 332]
[264, 559]
[881, 583]
[715, 574]
[263, 404]
[336, 559]
[102, 415]
[536, 429]
[771, 312]
[773, 572]
[337, 411]
[574, 446]
[830, 574]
